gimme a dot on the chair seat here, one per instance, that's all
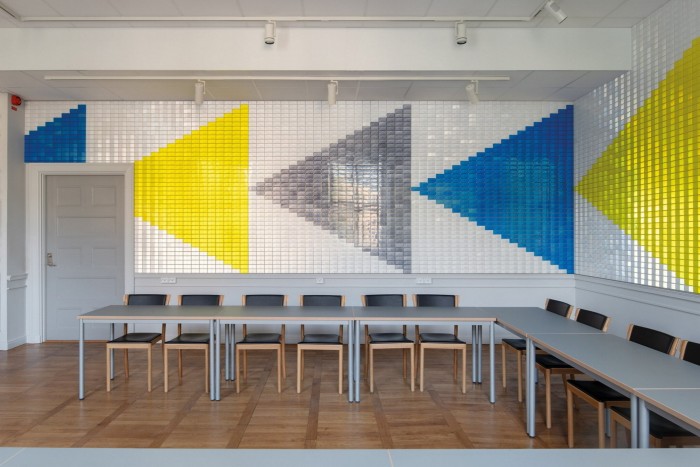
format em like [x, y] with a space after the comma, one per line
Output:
[190, 338]
[136, 337]
[388, 338]
[659, 427]
[517, 344]
[321, 339]
[598, 391]
[551, 362]
[261, 338]
[436, 337]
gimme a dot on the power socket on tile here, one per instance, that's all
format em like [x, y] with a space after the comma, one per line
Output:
[168, 280]
[424, 280]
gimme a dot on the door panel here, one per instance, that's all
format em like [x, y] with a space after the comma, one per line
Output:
[85, 237]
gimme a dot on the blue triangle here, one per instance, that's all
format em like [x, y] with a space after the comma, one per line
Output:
[60, 140]
[520, 189]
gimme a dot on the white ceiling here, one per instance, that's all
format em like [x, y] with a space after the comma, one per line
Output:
[523, 84]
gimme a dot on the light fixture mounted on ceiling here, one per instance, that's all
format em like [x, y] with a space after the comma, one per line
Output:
[555, 11]
[270, 32]
[460, 33]
[472, 90]
[199, 91]
[332, 92]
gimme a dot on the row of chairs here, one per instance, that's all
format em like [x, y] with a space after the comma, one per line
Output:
[309, 341]
[595, 393]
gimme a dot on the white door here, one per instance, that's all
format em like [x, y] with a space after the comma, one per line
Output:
[84, 239]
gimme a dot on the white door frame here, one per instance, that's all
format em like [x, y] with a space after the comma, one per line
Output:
[36, 191]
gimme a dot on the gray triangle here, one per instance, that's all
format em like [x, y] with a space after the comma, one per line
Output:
[358, 188]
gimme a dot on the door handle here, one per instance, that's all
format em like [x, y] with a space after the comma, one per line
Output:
[49, 260]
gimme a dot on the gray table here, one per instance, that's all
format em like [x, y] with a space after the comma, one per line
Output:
[682, 406]
[525, 322]
[476, 317]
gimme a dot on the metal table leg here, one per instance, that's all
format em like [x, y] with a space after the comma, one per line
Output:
[217, 348]
[232, 350]
[530, 388]
[111, 352]
[473, 354]
[643, 431]
[212, 364]
[227, 352]
[351, 360]
[479, 337]
[492, 363]
[81, 361]
[634, 420]
[357, 361]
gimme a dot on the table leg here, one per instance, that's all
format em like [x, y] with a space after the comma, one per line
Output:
[227, 342]
[479, 337]
[351, 360]
[111, 351]
[212, 358]
[473, 354]
[634, 420]
[530, 388]
[81, 361]
[492, 363]
[217, 338]
[357, 361]
[232, 356]
[643, 432]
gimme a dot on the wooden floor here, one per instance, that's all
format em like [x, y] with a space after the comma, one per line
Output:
[39, 406]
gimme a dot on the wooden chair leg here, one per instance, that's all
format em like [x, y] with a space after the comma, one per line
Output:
[570, 416]
[245, 365]
[238, 370]
[280, 365]
[109, 365]
[179, 365]
[371, 369]
[601, 426]
[548, 398]
[454, 365]
[284, 360]
[520, 377]
[126, 363]
[422, 366]
[405, 363]
[340, 370]
[613, 432]
[165, 369]
[503, 364]
[150, 364]
[303, 364]
[464, 369]
[413, 369]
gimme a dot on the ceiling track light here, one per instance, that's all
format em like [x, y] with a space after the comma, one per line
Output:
[270, 32]
[199, 91]
[555, 11]
[460, 33]
[472, 90]
[332, 92]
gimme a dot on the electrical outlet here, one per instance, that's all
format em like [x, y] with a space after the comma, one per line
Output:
[168, 280]
[424, 280]
[319, 280]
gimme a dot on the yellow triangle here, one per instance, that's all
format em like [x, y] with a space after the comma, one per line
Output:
[647, 181]
[196, 188]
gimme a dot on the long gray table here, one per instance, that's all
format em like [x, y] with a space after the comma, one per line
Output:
[474, 316]
[681, 406]
[525, 322]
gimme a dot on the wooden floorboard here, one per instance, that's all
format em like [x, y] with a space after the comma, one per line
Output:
[39, 406]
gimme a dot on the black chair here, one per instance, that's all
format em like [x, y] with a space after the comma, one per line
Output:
[190, 341]
[387, 340]
[262, 341]
[601, 396]
[433, 340]
[551, 365]
[663, 432]
[518, 345]
[332, 342]
[136, 340]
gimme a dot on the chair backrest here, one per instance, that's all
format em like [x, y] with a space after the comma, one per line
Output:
[593, 319]
[384, 300]
[200, 300]
[435, 300]
[322, 300]
[264, 300]
[560, 308]
[145, 299]
[690, 352]
[653, 339]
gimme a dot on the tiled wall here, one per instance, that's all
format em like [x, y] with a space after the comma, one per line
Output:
[638, 160]
[358, 187]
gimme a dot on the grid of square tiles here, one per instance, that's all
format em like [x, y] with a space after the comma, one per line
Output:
[283, 134]
[634, 147]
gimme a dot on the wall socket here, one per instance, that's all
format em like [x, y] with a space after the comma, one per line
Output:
[319, 280]
[168, 280]
[424, 280]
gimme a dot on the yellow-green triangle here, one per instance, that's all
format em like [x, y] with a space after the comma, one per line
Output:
[647, 181]
[196, 189]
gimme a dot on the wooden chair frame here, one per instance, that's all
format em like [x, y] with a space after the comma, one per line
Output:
[520, 354]
[302, 347]
[148, 346]
[408, 348]
[600, 406]
[564, 372]
[456, 347]
[186, 346]
[245, 347]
